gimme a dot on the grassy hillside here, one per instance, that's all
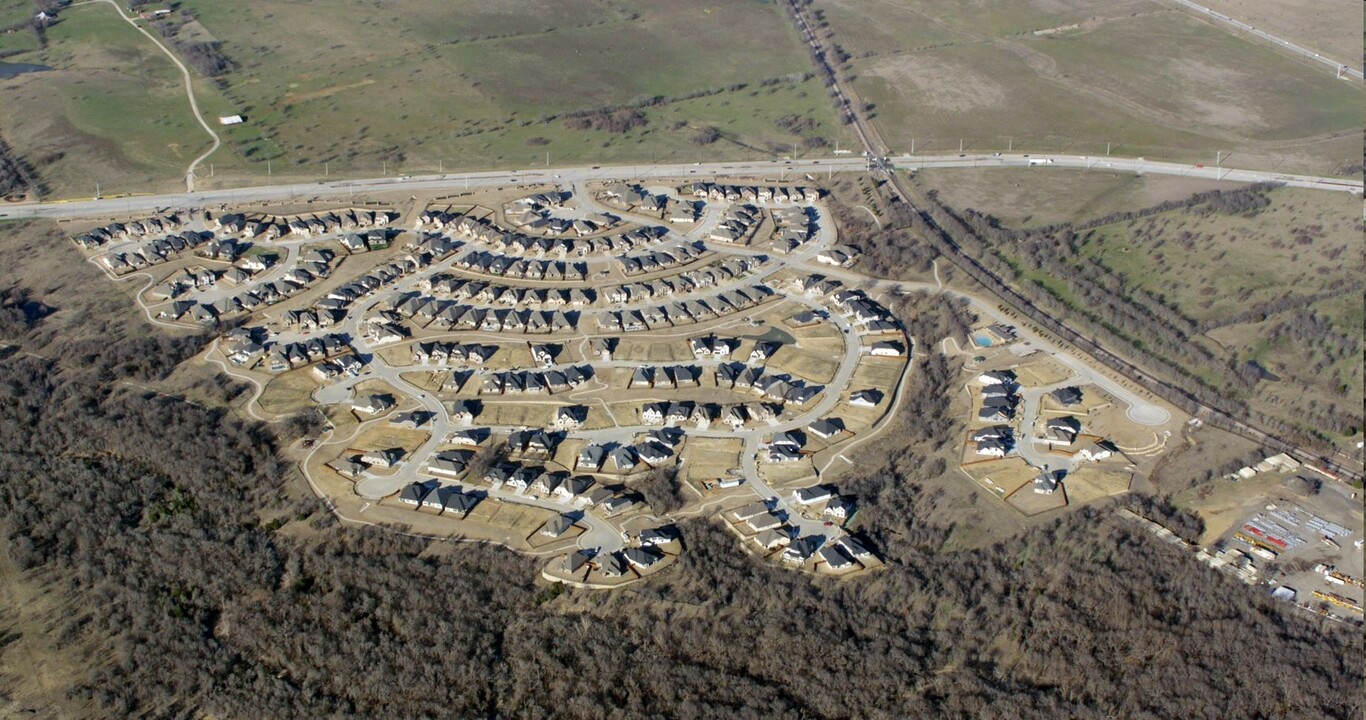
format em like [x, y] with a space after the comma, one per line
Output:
[1073, 76]
[348, 88]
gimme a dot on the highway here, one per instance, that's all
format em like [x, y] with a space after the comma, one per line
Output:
[1222, 19]
[794, 169]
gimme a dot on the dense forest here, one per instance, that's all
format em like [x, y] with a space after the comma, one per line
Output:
[194, 583]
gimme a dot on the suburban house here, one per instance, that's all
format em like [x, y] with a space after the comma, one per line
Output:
[1067, 396]
[1062, 429]
[826, 428]
[372, 404]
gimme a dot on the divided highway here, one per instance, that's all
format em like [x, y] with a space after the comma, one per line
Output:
[776, 169]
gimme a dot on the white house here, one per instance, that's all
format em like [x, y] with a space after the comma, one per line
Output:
[888, 349]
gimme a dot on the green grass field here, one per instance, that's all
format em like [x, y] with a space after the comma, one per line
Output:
[1073, 76]
[113, 110]
[431, 85]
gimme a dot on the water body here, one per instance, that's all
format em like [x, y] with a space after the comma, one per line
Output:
[9, 70]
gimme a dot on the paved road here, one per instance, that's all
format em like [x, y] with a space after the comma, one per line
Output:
[106, 207]
[1220, 18]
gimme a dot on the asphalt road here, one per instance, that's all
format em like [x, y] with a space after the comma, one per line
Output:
[794, 170]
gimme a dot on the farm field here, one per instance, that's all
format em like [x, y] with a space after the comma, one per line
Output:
[1332, 27]
[1072, 77]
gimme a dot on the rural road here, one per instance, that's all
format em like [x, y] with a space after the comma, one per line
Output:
[189, 93]
[151, 203]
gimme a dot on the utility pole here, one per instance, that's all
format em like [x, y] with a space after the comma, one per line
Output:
[1218, 161]
[97, 189]
[960, 144]
[912, 146]
[440, 167]
[268, 169]
[327, 169]
[210, 169]
[1107, 149]
[384, 166]
[1010, 144]
[547, 158]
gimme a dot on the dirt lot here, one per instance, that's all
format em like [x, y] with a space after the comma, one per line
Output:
[1092, 482]
[1002, 476]
[1031, 503]
[709, 458]
[1040, 370]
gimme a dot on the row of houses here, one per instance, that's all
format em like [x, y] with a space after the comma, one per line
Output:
[750, 193]
[486, 293]
[448, 500]
[864, 311]
[356, 243]
[192, 278]
[487, 263]
[769, 529]
[999, 396]
[343, 365]
[330, 348]
[314, 266]
[775, 387]
[655, 449]
[434, 313]
[656, 260]
[515, 243]
[452, 353]
[332, 307]
[160, 251]
[669, 377]
[688, 281]
[270, 227]
[542, 221]
[703, 414]
[548, 382]
[684, 312]
[633, 239]
[132, 230]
